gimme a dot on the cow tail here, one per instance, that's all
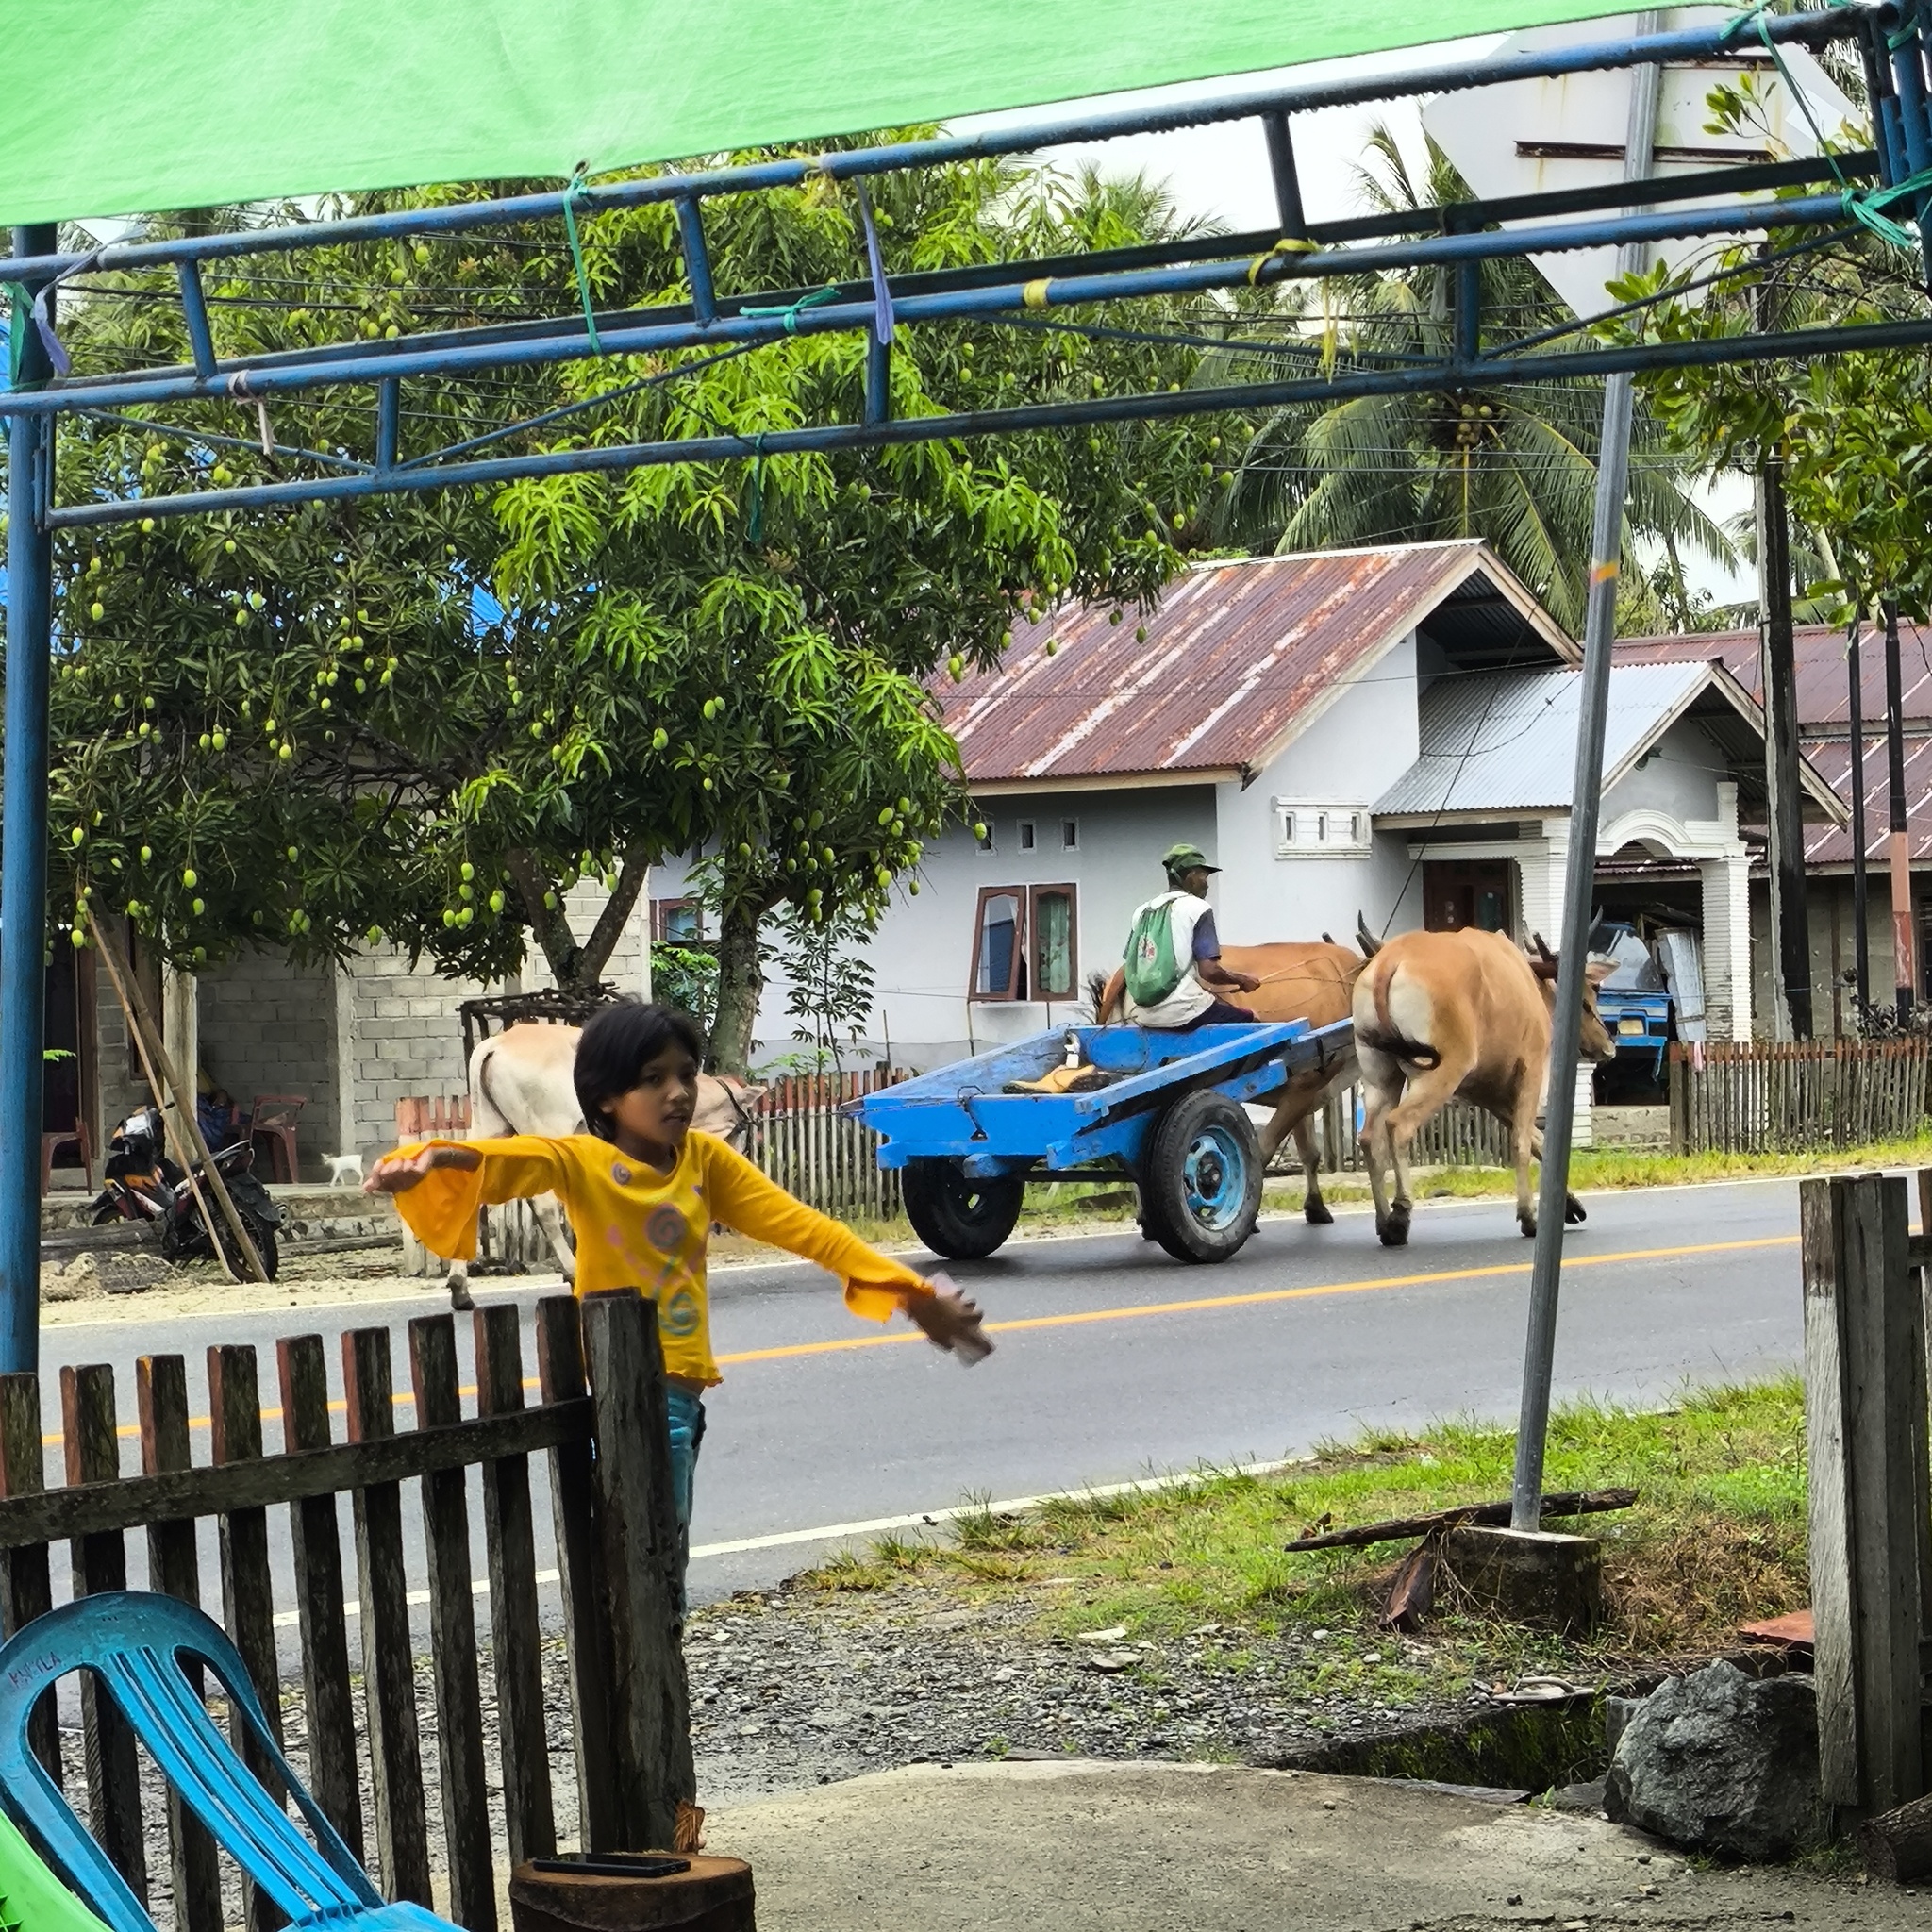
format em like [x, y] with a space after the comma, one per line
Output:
[1385, 1037]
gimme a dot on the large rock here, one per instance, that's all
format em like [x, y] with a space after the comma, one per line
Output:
[1723, 1763]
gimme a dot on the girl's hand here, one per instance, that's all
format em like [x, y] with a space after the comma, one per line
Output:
[396, 1174]
[950, 1321]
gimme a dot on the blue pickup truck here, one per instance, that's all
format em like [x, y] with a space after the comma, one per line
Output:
[1655, 995]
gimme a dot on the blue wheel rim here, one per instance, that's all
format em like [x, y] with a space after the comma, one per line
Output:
[1214, 1174]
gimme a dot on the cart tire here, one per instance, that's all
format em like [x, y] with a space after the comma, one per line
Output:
[1201, 1187]
[955, 1216]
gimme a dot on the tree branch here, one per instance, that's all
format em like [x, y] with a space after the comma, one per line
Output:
[609, 927]
[547, 922]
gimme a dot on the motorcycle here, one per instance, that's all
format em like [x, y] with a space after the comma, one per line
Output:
[144, 1185]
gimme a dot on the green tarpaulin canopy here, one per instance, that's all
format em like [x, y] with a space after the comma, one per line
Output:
[117, 107]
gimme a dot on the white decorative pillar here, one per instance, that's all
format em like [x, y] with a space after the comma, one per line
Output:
[1582, 1127]
[1726, 946]
[1540, 869]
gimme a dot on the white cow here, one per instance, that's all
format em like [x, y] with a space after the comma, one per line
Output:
[519, 1083]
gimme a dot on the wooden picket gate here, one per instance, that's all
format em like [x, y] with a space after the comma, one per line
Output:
[1771, 1096]
[800, 1138]
[599, 1420]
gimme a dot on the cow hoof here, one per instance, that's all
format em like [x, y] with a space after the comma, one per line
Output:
[1573, 1210]
[1527, 1224]
[1394, 1233]
[1317, 1213]
[459, 1297]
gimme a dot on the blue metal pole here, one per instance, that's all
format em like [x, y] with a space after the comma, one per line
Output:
[24, 850]
[1491, 370]
[457, 358]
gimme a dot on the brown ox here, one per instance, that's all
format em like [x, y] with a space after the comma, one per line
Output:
[1448, 1015]
[1309, 981]
[519, 1083]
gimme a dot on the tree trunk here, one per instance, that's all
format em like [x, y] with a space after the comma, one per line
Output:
[605, 935]
[740, 984]
[547, 922]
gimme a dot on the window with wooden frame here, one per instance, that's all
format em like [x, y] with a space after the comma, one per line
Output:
[1025, 943]
[676, 921]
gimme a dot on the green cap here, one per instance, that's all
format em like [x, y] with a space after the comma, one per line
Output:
[1184, 857]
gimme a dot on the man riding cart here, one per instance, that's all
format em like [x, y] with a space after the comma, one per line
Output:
[1175, 977]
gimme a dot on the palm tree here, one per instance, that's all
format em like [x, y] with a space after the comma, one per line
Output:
[1514, 465]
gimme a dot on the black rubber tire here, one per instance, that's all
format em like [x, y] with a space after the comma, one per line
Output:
[964, 1220]
[261, 1234]
[1201, 1134]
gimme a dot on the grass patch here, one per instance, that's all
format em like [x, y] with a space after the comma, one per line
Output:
[1717, 1538]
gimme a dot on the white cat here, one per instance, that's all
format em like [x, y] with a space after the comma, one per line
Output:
[344, 1170]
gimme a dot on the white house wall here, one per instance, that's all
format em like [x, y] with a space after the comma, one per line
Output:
[1679, 776]
[1353, 753]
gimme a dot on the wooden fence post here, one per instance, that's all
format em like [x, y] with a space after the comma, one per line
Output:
[389, 1678]
[516, 1642]
[638, 1530]
[586, 1610]
[1871, 1488]
[26, 1584]
[174, 1565]
[100, 1562]
[315, 1532]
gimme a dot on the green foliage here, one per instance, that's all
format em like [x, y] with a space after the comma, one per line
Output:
[428, 717]
[1516, 466]
[831, 978]
[685, 977]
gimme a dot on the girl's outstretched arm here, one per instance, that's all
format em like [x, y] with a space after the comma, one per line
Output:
[439, 1185]
[743, 1198]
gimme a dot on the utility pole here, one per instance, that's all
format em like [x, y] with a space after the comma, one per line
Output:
[1789, 917]
[1579, 872]
[1904, 949]
[24, 860]
[1861, 938]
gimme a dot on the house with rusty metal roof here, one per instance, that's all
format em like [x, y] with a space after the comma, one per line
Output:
[1825, 734]
[1389, 732]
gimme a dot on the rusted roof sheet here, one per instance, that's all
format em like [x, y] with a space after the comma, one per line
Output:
[1823, 678]
[1824, 718]
[1236, 659]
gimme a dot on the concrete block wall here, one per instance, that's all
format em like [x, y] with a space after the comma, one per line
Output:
[267, 1027]
[402, 1035]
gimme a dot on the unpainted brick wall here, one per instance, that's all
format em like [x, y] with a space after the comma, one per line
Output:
[406, 1039]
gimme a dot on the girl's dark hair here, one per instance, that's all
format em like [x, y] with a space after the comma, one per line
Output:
[615, 1049]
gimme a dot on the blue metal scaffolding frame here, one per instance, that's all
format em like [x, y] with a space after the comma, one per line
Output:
[1894, 41]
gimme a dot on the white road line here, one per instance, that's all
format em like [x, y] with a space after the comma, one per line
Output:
[878, 1525]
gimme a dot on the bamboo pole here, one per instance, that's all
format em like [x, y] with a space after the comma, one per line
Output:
[186, 1126]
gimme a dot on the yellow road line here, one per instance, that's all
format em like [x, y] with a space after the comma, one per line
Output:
[1261, 1295]
[1136, 1311]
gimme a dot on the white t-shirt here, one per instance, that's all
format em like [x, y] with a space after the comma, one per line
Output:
[1189, 999]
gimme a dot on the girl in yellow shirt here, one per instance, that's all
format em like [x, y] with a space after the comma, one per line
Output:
[641, 1191]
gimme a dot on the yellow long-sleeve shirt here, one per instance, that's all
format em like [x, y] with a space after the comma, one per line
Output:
[636, 1227]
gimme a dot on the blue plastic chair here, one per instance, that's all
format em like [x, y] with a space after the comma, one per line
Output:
[133, 1643]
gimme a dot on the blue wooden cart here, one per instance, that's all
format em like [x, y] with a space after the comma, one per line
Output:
[1164, 1109]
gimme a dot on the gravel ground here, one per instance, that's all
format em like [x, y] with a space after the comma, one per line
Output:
[799, 1687]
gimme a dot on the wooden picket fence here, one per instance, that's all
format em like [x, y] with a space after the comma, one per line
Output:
[1459, 1136]
[801, 1139]
[1769, 1096]
[500, 1743]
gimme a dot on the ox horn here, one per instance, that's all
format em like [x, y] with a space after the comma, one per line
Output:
[1369, 945]
[1544, 964]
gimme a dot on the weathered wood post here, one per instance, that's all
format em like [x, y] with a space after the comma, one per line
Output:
[1870, 1491]
[637, 1525]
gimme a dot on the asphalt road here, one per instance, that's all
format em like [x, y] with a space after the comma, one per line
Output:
[1113, 1361]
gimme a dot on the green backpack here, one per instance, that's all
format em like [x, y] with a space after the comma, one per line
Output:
[1153, 972]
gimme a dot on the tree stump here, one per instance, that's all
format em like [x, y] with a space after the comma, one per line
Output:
[710, 1895]
[1528, 1576]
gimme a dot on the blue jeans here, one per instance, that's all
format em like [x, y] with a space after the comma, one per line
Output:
[685, 1412]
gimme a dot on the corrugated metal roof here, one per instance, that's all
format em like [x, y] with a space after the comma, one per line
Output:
[1824, 685]
[1819, 656]
[1501, 740]
[1236, 660]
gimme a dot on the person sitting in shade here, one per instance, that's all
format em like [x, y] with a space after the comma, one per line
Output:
[1175, 977]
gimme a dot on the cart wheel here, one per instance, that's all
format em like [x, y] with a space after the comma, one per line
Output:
[957, 1216]
[1201, 1187]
